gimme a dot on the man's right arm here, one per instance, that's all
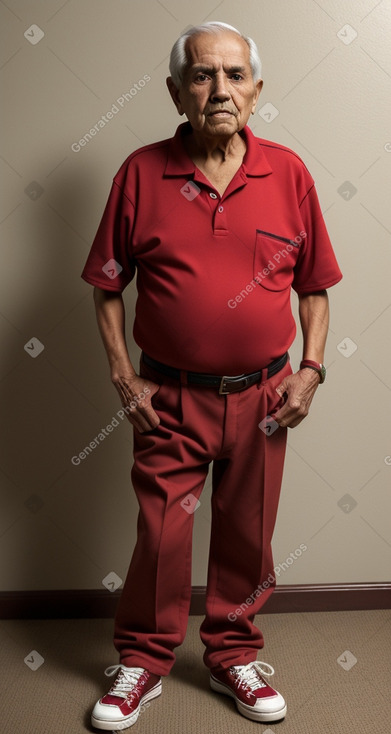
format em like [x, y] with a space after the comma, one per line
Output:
[110, 314]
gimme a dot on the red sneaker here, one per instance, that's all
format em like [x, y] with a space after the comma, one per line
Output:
[254, 698]
[121, 706]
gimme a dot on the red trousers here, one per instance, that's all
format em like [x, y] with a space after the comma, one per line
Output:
[198, 426]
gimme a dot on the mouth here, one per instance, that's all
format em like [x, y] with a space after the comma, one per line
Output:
[220, 113]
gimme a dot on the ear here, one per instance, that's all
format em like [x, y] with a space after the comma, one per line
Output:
[257, 92]
[175, 95]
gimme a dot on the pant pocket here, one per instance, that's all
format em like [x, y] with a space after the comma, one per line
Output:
[275, 400]
[167, 400]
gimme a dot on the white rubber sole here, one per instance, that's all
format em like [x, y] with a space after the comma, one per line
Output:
[247, 711]
[126, 721]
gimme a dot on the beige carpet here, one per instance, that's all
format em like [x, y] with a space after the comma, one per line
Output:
[323, 697]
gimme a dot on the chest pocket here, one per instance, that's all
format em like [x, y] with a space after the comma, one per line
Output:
[275, 257]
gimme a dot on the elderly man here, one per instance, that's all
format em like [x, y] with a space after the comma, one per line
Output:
[219, 225]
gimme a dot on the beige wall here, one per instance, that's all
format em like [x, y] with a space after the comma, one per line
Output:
[65, 526]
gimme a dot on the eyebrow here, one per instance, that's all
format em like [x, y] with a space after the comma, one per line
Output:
[212, 69]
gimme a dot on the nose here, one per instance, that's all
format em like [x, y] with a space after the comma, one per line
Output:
[219, 92]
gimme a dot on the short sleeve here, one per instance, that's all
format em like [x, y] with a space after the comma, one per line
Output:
[110, 264]
[316, 267]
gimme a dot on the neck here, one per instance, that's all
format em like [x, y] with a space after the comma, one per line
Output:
[214, 149]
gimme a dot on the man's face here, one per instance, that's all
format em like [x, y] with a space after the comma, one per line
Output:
[218, 93]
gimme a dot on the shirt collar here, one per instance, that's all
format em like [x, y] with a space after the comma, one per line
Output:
[179, 163]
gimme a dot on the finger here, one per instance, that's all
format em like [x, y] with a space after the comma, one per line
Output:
[281, 414]
[140, 424]
[281, 389]
[140, 401]
[149, 421]
[143, 420]
[288, 417]
[295, 422]
[146, 409]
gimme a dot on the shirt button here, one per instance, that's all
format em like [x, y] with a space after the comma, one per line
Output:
[212, 195]
[220, 209]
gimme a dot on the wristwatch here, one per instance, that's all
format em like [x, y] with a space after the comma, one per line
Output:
[317, 366]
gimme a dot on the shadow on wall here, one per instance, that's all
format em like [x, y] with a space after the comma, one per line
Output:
[57, 397]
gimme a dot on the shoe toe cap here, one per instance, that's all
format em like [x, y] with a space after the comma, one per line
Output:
[108, 708]
[271, 704]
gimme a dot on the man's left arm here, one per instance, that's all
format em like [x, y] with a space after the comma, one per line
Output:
[300, 387]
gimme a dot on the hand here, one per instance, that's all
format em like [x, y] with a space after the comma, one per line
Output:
[300, 389]
[136, 393]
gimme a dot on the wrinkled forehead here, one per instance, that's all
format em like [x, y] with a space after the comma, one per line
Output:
[215, 49]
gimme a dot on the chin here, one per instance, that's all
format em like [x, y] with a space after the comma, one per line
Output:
[223, 125]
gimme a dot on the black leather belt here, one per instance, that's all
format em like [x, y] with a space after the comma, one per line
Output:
[226, 384]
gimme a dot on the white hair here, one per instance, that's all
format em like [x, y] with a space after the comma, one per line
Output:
[178, 59]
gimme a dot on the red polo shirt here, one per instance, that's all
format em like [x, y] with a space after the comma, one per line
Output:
[214, 273]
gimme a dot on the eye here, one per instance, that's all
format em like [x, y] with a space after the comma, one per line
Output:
[237, 77]
[201, 77]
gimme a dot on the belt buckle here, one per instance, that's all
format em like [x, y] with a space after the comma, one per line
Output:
[222, 385]
[231, 379]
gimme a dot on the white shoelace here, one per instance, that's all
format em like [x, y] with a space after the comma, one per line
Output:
[125, 681]
[248, 674]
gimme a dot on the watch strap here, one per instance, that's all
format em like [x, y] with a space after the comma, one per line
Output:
[317, 366]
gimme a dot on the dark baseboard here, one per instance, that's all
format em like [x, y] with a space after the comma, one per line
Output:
[100, 603]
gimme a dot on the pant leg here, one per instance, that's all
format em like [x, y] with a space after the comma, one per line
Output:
[170, 462]
[246, 487]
